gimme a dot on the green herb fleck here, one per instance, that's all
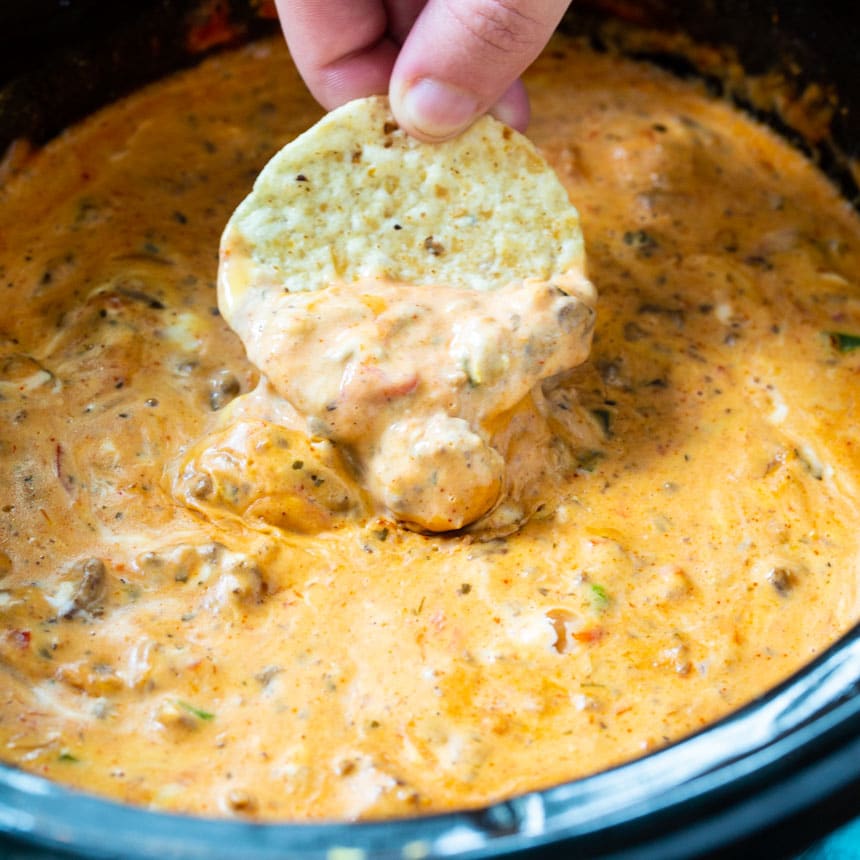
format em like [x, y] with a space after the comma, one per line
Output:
[600, 600]
[298, 464]
[65, 755]
[197, 712]
[843, 341]
[382, 534]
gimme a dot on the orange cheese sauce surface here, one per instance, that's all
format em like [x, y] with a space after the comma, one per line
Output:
[701, 548]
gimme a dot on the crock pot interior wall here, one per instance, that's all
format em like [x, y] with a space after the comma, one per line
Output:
[61, 59]
[804, 43]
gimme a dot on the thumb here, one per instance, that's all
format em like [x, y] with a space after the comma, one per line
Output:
[463, 56]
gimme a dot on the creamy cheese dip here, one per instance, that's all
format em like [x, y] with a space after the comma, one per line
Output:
[269, 647]
[431, 389]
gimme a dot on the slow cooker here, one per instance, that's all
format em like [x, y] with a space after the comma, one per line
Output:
[767, 780]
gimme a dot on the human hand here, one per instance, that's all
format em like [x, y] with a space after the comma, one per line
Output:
[443, 62]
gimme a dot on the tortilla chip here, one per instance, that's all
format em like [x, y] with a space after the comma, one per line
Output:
[356, 198]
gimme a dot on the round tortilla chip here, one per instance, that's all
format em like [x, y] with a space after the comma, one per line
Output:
[356, 198]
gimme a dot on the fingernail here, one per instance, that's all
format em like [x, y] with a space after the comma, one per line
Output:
[437, 110]
[513, 107]
[507, 113]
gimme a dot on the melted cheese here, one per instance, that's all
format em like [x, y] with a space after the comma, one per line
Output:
[422, 384]
[169, 637]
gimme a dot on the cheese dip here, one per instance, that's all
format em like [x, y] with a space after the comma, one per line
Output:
[287, 654]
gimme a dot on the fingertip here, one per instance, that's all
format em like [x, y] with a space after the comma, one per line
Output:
[433, 110]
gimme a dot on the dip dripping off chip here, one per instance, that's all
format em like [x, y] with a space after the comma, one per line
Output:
[407, 300]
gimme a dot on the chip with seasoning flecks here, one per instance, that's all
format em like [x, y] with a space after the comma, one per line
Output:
[356, 198]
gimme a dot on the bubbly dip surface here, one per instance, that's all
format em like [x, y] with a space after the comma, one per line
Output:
[199, 608]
